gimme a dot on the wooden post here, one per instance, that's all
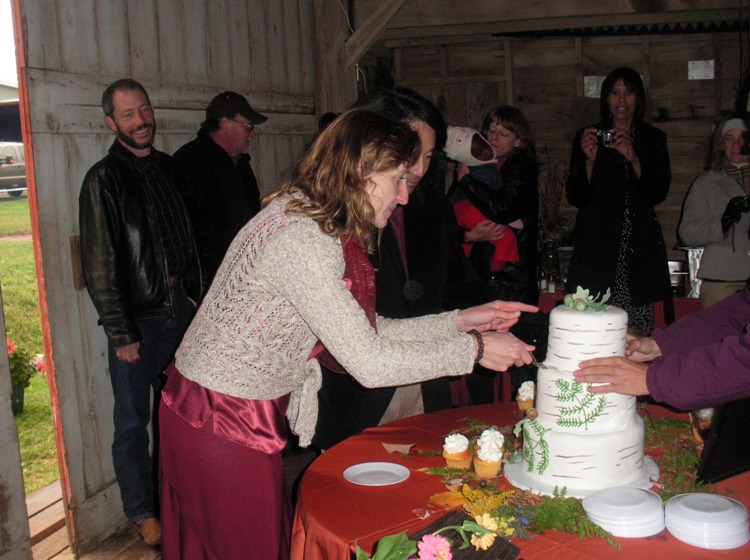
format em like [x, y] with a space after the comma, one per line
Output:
[15, 541]
[335, 84]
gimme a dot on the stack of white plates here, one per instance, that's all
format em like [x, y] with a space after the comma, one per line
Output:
[626, 511]
[707, 521]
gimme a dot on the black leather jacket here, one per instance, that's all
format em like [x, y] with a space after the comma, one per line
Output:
[123, 259]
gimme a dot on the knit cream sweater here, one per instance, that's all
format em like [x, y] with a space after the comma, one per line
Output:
[279, 289]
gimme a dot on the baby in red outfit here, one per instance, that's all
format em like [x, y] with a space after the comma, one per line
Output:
[465, 145]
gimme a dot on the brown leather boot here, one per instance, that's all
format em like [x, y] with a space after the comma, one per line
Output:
[150, 530]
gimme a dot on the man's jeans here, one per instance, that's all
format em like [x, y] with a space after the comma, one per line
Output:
[131, 386]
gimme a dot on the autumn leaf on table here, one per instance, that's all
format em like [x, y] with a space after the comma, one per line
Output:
[422, 513]
[447, 500]
[403, 448]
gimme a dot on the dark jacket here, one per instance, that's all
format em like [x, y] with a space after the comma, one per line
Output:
[123, 259]
[601, 211]
[439, 276]
[518, 198]
[223, 197]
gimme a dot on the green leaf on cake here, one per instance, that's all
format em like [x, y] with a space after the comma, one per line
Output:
[581, 300]
[585, 407]
[529, 450]
[570, 391]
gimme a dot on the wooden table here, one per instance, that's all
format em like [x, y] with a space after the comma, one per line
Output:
[332, 513]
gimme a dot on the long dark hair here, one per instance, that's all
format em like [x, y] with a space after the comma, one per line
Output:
[633, 82]
[328, 181]
[407, 105]
[410, 107]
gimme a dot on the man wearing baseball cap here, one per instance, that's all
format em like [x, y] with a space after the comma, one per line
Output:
[224, 194]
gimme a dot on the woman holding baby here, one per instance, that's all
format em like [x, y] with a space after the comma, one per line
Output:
[511, 206]
[507, 197]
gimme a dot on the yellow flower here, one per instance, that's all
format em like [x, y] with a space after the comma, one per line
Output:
[485, 541]
[504, 528]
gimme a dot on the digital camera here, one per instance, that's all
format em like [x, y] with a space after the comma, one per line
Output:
[607, 136]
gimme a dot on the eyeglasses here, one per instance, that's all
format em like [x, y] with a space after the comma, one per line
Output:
[249, 126]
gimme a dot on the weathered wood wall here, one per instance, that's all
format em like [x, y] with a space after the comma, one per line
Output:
[544, 78]
[184, 52]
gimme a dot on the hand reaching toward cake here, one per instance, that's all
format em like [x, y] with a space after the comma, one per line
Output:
[617, 375]
[493, 316]
[642, 349]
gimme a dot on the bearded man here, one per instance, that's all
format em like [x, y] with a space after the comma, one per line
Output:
[137, 248]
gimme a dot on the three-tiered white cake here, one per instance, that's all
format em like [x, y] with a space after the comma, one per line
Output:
[579, 440]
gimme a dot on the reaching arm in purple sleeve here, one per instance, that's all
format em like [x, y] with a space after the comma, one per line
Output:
[705, 356]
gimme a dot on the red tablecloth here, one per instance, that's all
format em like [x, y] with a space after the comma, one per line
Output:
[332, 513]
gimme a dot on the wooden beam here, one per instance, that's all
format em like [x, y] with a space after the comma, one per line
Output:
[442, 13]
[451, 80]
[509, 95]
[431, 34]
[369, 32]
[579, 66]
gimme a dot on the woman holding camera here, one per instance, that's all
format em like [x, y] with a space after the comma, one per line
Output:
[715, 214]
[619, 170]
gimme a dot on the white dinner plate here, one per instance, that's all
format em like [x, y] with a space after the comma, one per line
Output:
[622, 502]
[634, 531]
[649, 519]
[705, 508]
[709, 540]
[376, 474]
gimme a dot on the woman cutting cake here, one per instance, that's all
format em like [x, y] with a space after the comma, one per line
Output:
[296, 285]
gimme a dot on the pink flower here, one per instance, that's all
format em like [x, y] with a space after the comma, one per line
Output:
[40, 366]
[434, 547]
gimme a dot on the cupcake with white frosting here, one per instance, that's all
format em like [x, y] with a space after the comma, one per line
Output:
[489, 453]
[525, 396]
[456, 452]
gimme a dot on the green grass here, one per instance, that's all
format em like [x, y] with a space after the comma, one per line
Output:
[14, 216]
[20, 296]
[37, 437]
[23, 325]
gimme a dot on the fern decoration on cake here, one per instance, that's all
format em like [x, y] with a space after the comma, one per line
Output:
[529, 450]
[569, 391]
[586, 407]
[583, 415]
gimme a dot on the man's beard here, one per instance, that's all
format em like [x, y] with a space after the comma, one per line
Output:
[130, 141]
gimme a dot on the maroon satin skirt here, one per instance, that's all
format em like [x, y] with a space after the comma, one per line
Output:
[223, 492]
